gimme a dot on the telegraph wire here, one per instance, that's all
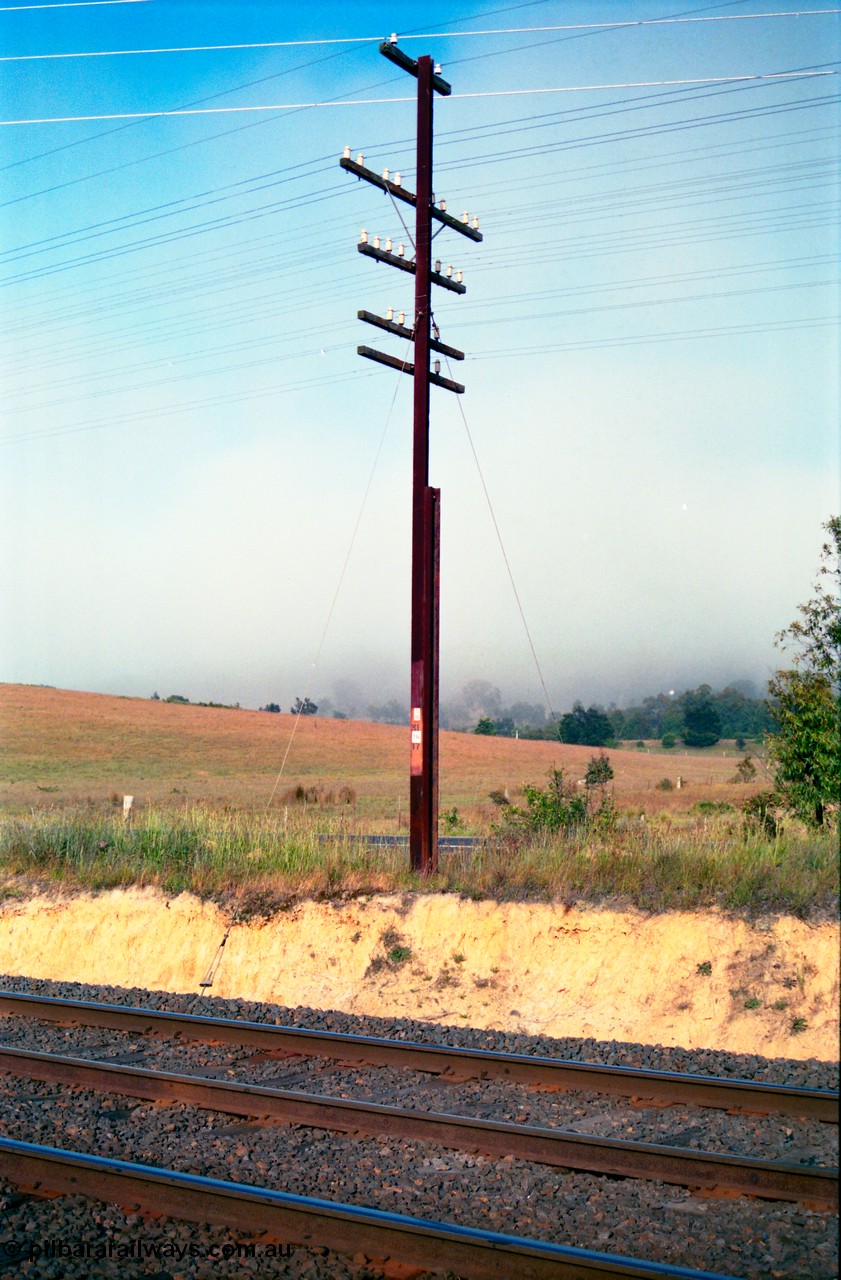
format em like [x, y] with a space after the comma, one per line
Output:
[214, 224]
[430, 35]
[277, 359]
[550, 119]
[662, 228]
[769, 76]
[659, 302]
[141, 416]
[152, 295]
[571, 249]
[651, 131]
[235, 397]
[223, 93]
[483, 190]
[261, 212]
[170, 209]
[184, 146]
[72, 351]
[67, 4]
[606, 28]
[447, 138]
[489, 13]
[335, 191]
[171, 380]
[618, 106]
[628, 340]
[226, 133]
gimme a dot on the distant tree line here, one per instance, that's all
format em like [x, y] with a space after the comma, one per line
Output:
[179, 698]
[697, 717]
[302, 707]
[730, 713]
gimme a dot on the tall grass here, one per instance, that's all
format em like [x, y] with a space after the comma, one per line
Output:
[259, 864]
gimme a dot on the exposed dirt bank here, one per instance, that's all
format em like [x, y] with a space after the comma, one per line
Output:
[694, 980]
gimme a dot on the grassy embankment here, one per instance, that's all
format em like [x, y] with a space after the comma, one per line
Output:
[257, 864]
[203, 779]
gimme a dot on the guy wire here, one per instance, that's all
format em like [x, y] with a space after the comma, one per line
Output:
[504, 553]
[341, 579]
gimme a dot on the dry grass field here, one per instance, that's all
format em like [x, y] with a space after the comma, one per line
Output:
[61, 748]
[213, 817]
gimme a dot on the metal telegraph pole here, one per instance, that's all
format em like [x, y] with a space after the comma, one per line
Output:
[423, 780]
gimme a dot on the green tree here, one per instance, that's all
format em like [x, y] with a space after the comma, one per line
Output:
[804, 745]
[701, 721]
[817, 631]
[590, 728]
[486, 726]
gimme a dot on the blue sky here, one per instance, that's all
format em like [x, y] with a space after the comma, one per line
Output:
[206, 491]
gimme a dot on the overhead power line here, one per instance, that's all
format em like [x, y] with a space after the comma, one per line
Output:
[768, 77]
[430, 35]
[68, 4]
[141, 417]
[195, 102]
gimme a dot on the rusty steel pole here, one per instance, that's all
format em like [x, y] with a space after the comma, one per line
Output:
[423, 781]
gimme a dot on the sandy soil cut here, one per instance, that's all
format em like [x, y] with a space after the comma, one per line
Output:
[692, 980]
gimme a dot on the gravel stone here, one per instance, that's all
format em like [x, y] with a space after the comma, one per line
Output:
[645, 1219]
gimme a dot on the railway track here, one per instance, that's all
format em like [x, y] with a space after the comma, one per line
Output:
[438, 1246]
[563, 1149]
[550, 1073]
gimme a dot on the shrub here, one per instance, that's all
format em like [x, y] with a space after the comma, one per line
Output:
[557, 806]
[665, 784]
[746, 769]
[300, 795]
[759, 809]
[599, 771]
[668, 741]
[560, 806]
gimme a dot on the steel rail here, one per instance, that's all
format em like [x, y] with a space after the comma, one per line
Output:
[630, 1082]
[311, 1222]
[557, 1147]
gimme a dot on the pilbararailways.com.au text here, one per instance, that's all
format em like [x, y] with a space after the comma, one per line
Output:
[53, 1248]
